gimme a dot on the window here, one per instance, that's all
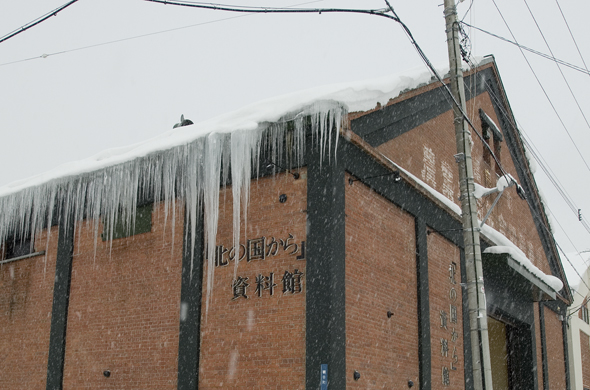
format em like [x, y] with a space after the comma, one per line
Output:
[143, 224]
[490, 130]
[15, 247]
[584, 313]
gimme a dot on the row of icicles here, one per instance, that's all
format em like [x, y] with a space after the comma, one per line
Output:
[192, 172]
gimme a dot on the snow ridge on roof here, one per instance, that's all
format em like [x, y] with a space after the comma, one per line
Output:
[355, 96]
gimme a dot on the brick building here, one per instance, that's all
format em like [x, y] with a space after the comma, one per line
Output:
[578, 330]
[347, 271]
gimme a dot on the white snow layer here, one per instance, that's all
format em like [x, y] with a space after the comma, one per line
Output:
[505, 182]
[188, 163]
[480, 191]
[553, 282]
[503, 244]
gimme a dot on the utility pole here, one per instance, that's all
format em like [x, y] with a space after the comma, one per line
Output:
[478, 322]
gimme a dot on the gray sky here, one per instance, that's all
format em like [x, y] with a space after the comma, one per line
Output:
[68, 106]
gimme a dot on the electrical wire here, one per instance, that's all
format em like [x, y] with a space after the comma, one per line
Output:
[572, 35]
[543, 89]
[541, 54]
[558, 67]
[376, 12]
[536, 216]
[445, 86]
[410, 36]
[554, 180]
[267, 10]
[250, 10]
[36, 21]
[466, 12]
[138, 36]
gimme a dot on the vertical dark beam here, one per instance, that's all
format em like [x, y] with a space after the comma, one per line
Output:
[543, 346]
[566, 359]
[424, 342]
[61, 298]
[536, 366]
[467, 360]
[325, 295]
[189, 338]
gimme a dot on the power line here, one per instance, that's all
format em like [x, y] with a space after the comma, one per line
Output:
[445, 87]
[535, 215]
[543, 89]
[541, 54]
[571, 34]
[120, 40]
[377, 12]
[267, 10]
[558, 67]
[36, 21]
[138, 36]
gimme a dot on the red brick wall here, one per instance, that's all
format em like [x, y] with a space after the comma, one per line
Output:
[585, 349]
[446, 353]
[555, 353]
[124, 309]
[26, 299]
[380, 276]
[258, 342]
[427, 152]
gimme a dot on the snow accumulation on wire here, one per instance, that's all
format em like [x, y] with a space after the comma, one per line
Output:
[189, 162]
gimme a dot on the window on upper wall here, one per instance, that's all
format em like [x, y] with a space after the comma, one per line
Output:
[143, 224]
[15, 247]
[491, 131]
[584, 315]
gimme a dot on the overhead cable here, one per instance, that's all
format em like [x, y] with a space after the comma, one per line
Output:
[536, 216]
[36, 21]
[572, 35]
[267, 10]
[541, 54]
[137, 37]
[376, 12]
[558, 67]
[544, 91]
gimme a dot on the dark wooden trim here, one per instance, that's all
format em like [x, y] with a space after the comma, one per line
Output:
[191, 291]
[359, 164]
[325, 293]
[392, 121]
[535, 364]
[543, 346]
[424, 342]
[61, 298]
[566, 359]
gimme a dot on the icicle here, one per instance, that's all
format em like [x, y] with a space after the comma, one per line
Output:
[212, 170]
[192, 172]
[243, 144]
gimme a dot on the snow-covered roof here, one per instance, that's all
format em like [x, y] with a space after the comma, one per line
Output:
[98, 185]
[354, 96]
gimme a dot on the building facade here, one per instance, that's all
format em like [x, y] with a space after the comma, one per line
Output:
[578, 330]
[348, 270]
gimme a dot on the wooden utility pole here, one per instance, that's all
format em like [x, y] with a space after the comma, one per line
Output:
[478, 322]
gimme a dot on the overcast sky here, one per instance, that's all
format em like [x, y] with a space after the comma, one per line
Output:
[103, 90]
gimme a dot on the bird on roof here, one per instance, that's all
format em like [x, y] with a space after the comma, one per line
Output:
[183, 122]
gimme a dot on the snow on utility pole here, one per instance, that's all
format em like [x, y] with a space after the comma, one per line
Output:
[478, 322]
